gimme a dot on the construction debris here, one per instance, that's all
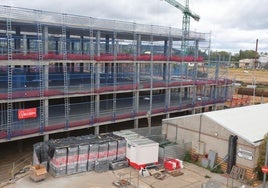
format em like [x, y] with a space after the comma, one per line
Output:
[175, 172]
[121, 183]
[38, 173]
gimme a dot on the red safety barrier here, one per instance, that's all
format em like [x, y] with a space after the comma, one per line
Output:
[79, 123]
[156, 111]
[54, 127]
[3, 134]
[103, 119]
[104, 57]
[48, 93]
[123, 116]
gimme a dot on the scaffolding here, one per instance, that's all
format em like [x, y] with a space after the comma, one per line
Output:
[69, 72]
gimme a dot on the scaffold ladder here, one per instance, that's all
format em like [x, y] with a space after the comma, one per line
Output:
[149, 113]
[114, 73]
[65, 72]
[92, 73]
[41, 73]
[10, 74]
[135, 72]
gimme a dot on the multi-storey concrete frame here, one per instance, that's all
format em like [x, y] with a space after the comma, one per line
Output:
[71, 71]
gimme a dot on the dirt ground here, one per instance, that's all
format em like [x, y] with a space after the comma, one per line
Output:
[247, 76]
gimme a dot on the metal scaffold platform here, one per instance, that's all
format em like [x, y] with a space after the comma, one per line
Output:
[61, 72]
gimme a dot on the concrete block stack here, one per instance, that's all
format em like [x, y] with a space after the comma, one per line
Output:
[82, 157]
[102, 163]
[79, 154]
[92, 155]
[72, 159]
[57, 164]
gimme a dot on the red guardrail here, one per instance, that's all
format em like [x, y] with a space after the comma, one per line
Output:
[104, 57]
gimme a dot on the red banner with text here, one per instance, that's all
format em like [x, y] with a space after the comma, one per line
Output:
[27, 113]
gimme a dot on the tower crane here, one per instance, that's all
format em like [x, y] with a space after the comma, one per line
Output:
[187, 13]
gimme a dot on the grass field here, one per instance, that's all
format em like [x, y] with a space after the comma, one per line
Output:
[247, 76]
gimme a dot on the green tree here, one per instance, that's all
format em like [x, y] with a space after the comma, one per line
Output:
[247, 54]
[219, 56]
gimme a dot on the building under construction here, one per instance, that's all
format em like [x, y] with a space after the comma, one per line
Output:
[62, 72]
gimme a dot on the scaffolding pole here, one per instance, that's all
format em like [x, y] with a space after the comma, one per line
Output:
[92, 73]
[41, 72]
[114, 74]
[65, 72]
[10, 74]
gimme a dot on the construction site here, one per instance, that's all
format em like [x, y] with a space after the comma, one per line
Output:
[64, 74]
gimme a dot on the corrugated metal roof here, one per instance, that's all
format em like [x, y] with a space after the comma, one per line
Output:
[249, 122]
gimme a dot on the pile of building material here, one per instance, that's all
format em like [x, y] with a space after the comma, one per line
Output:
[79, 154]
[38, 173]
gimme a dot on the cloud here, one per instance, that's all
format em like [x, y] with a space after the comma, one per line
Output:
[234, 25]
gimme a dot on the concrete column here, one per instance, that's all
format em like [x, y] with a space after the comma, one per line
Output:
[107, 44]
[98, 35]
[117, 47]
[165, 48]
[57, 46]
[68, 41]
[113, 45]
[24, 44]
[164, 76]
[97, 130]
[167, 115]
[170, 46]
[136, 108]
[28, 45]
[82, 44]
[97, 78]
[193, 110]
[97, 105]
[167, 98]
[136, 123]
[72, 47]
[46, 111]
[17, 40]
[46, 137]
[45, 39]
[81, 67]
[46, 73]
[138, 45]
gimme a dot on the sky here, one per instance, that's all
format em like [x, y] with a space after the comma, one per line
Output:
[234, 24]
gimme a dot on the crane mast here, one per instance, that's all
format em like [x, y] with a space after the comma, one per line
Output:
[187, 13]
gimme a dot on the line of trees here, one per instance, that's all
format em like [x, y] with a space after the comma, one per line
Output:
[243, 54]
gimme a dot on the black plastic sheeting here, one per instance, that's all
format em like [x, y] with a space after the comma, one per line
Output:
[80, 154]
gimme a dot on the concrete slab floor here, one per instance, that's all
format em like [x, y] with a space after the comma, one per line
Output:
[193, 177]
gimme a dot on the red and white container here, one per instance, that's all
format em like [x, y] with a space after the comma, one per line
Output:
[173, 164]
